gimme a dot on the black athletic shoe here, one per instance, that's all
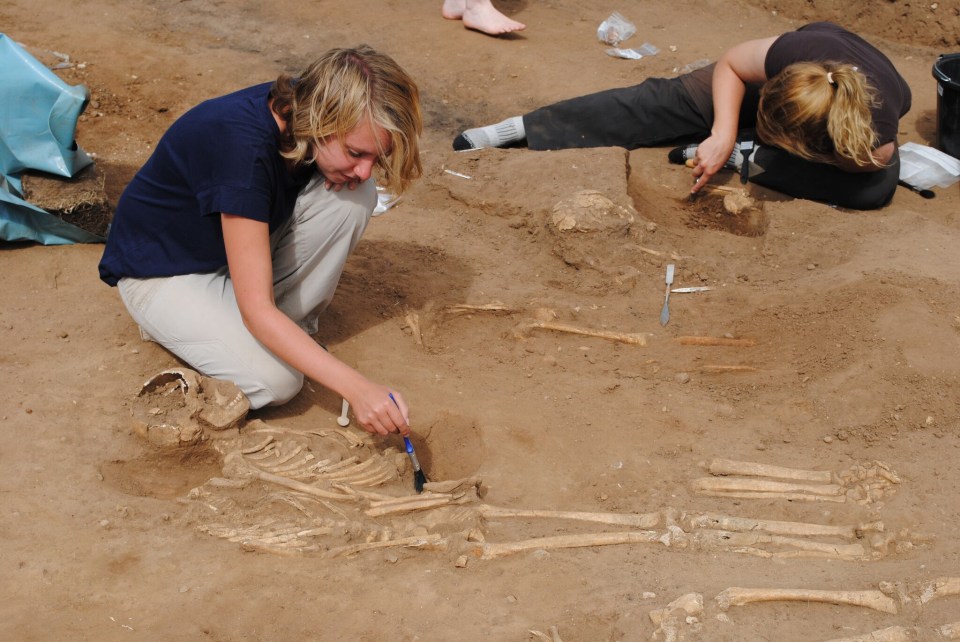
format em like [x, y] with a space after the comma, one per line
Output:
[680, 155]
[461, 143]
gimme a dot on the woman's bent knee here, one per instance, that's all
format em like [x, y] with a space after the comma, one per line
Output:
[279, 388]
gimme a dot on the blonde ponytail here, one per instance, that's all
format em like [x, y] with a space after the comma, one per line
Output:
[819, 111]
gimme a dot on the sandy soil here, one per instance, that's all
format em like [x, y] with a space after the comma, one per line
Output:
[850, 321]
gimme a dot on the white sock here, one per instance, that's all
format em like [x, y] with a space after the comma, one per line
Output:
[503, 133]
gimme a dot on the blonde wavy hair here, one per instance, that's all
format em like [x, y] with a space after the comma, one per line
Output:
[340, 89]
[819, 111]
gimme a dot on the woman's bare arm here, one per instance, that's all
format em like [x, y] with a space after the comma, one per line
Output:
[251, 271]
[739, 65]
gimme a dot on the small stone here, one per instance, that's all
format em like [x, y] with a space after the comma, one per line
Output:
[184, 589]
[682, 377]
[104, 523]
[62, 334]
[647, 595]
[604, 497]
[512, 599]
[811, 266]
[929, 421]
[461, 562]
[391, 558]
[828, 439]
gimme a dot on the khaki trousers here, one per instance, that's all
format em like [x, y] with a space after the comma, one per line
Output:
[196, 317]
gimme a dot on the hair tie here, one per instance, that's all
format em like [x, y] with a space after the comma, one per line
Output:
[830, 78]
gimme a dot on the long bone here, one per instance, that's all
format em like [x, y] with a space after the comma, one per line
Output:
[725, 538]
[725, 484]
[799, 529]
[292, 484]
[773, 495]
[736, 596]
[750, 469]
[406, 507]
[637, 339]
[490, 551]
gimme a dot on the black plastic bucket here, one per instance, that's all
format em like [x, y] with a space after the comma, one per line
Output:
[947, 72]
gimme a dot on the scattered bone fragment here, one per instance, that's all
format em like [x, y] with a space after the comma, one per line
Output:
[750, 469]
[940, 587]
[638, 339]
[490, 551]
[679, 620]
[715, 341]
[722, 367]
[223, 482]
[949, 631]
[689, 604]
[495, 307]
[872, 599]
[553, 635]
[413, 322]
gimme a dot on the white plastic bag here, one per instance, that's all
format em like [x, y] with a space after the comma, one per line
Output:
[925, 167]
[646, 49]
[615, 29]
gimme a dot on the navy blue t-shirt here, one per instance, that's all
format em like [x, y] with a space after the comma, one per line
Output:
[221, 156]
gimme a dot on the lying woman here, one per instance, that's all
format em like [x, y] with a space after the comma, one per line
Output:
[811, 113]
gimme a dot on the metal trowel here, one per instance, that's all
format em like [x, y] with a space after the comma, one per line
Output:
[665, 312]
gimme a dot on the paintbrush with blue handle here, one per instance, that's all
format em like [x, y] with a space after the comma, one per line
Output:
[419, 478]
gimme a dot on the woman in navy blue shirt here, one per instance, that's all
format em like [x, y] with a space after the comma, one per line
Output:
[231, 239]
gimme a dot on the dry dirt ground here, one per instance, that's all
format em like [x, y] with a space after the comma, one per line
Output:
[850, 325]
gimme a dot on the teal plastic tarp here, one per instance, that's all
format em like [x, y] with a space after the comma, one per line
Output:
[38, 120]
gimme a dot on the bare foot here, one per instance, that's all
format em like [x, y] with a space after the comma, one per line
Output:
[481, 16]
[453, 9]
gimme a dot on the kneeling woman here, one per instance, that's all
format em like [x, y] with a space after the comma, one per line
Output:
[231, 239]
[825, 105]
